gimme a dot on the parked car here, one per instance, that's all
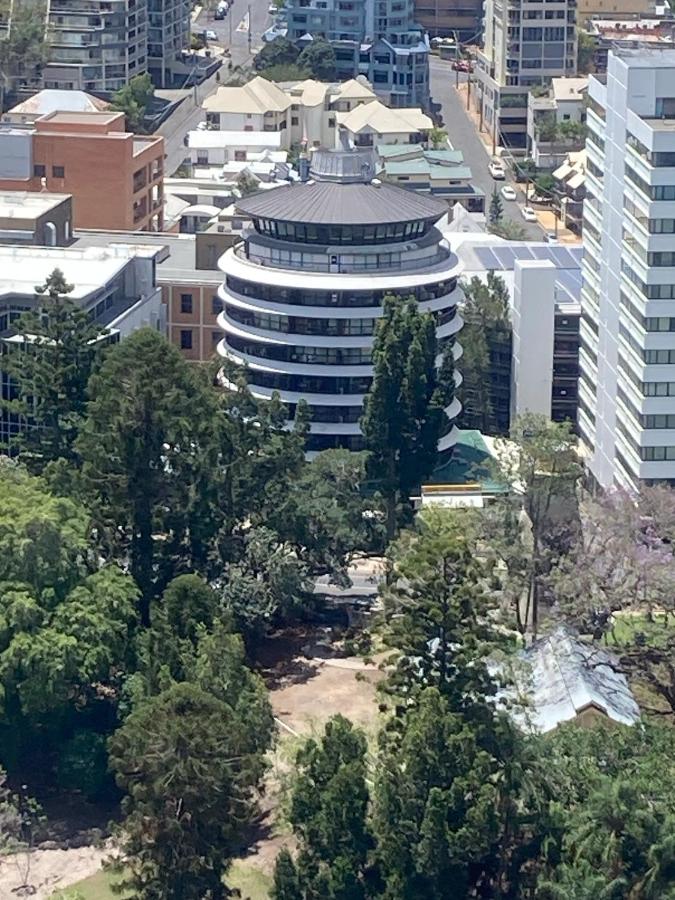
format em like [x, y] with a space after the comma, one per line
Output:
[528, 214]
[551, 237]
[462, 65]
[211, 35]
[497, 170]
[508, 193]
[272, 9]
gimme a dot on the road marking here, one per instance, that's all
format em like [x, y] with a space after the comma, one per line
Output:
[244, 25]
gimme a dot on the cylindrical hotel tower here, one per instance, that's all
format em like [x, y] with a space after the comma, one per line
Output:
[304, 289]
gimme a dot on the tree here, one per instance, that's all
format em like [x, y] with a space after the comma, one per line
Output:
[436, 615]
[585, 52]
[184, 760]
[319, 58]
[509, 230]
[325, 516]
[486, 356]
[541, 459]
[66, 622]
[438, 138]
[153, 461]
[286, 881]
[329, 818]
[285, 72]
[496, 213]
[24, 50]
[403, 412]
[268, 585]
[247, 184]
[545, 185]
[51, 372]
[133, 100]
[279, 52]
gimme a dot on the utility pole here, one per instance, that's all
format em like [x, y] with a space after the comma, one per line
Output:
[456, 59]
[468, 89]
[249, 28]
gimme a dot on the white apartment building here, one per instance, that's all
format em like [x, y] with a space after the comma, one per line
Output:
[304, 289]
[95, 45]
[627, 357]
[527, 43]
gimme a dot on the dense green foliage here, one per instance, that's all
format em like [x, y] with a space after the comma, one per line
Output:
[316, 60]
[133, 100]
[403, 413]
[486, 356]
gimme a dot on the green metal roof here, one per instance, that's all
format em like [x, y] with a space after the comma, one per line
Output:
[470, 461]
[425, 167]
[447, 156]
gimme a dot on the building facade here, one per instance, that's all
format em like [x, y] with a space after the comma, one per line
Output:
[304, 290]
[526, 45]
[168, 35]
[115, 178]
[451, 18]
[95, 45]
[376, 38]
[627, 358]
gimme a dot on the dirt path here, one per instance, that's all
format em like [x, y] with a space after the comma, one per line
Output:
[48, 870]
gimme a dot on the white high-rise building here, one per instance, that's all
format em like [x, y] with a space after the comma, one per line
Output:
[627, 357]
[304, 290]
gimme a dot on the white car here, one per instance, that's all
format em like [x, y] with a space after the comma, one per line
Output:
[528, 214]
[211, 36]
[272, 9]
[508, 193]
[496, 169]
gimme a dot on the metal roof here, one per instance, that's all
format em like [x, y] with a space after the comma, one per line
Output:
[328, 203]
[343, 165]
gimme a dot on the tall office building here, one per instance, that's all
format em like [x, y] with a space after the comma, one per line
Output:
[304, 290]
[95, 45]
[627, 357]
[527, 43]
[168, 34]
[376, 38]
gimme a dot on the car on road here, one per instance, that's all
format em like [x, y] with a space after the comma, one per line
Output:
[211, 35]
[497, 170]
[508, 193]
[272, 9]
[551, 237]
[462, 65]
[528, 214]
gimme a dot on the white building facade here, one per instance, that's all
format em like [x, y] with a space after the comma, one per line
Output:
[627, 358]
[304, 290]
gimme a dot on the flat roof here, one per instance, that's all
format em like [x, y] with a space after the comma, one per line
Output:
[86, 268]
[29, 204]
[331, 203]
[71, 117]
[177, 252]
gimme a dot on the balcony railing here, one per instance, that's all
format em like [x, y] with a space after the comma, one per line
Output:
[336, 265]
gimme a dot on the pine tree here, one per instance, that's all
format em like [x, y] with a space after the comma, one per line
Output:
[50, 373]
[496, 213]
[403, 415]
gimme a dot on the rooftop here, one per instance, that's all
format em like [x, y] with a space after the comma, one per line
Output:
[426, 167]
[203, 140]
[380, 118]
[28, 204]
[48, 101]
[354, 89]
[563, 676]
[258, 96]
[87, 268]
[70, 117]
[569, 88]
[327, 203]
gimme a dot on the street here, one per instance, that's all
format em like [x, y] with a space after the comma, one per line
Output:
[462, 135]
[190, 114]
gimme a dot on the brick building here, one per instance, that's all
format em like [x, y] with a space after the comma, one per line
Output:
[115, 178]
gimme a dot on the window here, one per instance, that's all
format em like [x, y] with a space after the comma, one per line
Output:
[216, 305]
[58, 171]
[240, 156]
[39, 171]
[186, 303]
[186, 339]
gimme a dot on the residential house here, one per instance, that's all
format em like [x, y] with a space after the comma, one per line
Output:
[439, 172]
[258, 106]
[374, 123]
[570, 190]
[556, 121]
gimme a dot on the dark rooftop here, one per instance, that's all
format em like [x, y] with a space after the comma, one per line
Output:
[329, 203]
[357, 165]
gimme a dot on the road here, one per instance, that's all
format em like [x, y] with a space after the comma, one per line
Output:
[190, 114]
[462, 135]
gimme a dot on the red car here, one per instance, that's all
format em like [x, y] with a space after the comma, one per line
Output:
[462, 65]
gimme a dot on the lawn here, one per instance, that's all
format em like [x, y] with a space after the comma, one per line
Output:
[626, 627]
[253, 884]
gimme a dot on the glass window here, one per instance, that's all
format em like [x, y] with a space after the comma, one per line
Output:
[186, 304]
[186, 339]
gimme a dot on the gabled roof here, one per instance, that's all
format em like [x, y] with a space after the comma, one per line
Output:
[258, 96]
[426, 167]
[353, 90]
[564, 675]
[378, 117]
[309, 92]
